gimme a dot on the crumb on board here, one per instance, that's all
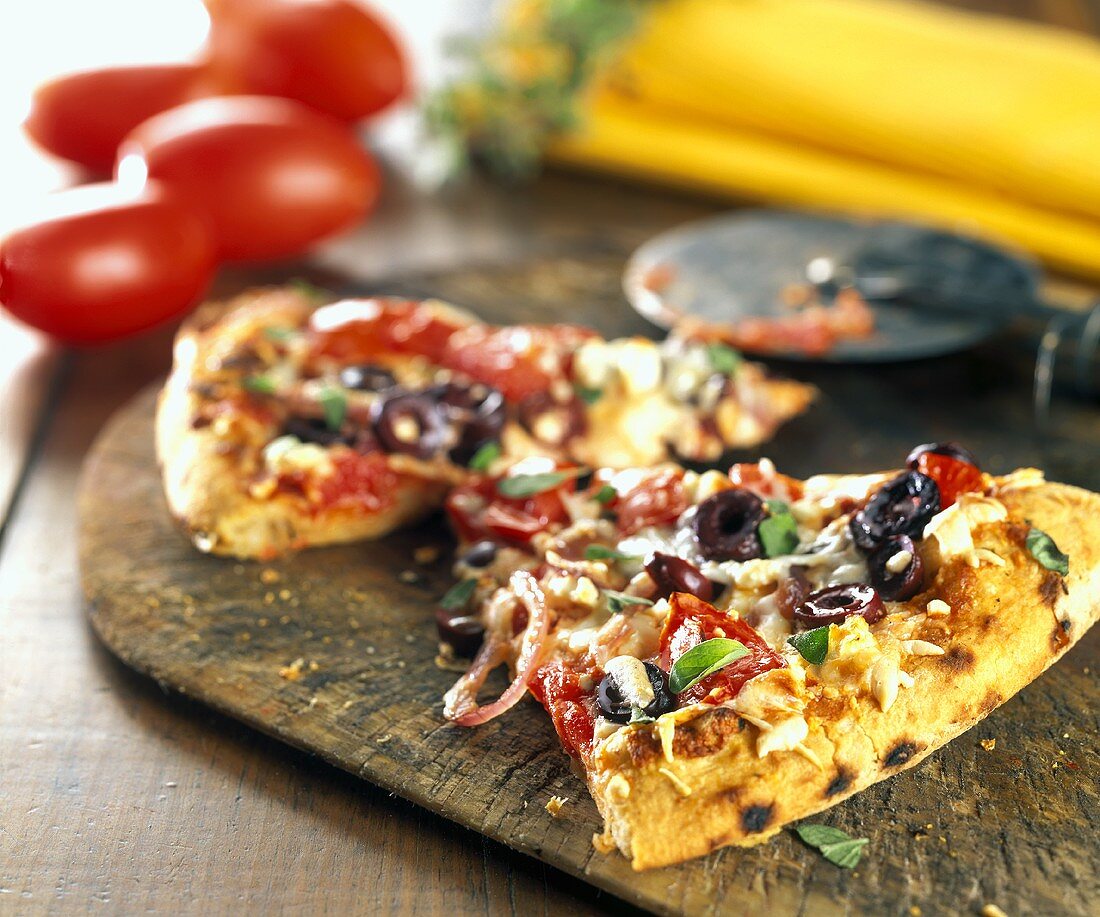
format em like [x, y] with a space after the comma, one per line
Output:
[446, 660]
[293, 671]
[914, 910]
[991, 910]
[603, 843]
[269, 576]
[426, 554]
[409, 576]
[989, 744]
[554, 805]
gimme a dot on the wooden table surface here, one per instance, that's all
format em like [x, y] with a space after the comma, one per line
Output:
[117, 797]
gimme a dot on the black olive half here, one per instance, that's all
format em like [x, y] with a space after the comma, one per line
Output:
[551, 421]
[411, 423]
[480, 554]
[674, 574]
[901, 507]
[367, 378]
[950, 449]
[725, 525]
[834, 604]
[460, 632]
[313, 430]
[896, 587]
[615, 707]
[477, 412]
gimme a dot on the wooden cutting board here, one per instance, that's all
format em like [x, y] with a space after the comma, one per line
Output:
[333, 651]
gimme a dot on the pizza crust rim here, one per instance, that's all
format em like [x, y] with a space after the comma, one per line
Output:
[716, 791]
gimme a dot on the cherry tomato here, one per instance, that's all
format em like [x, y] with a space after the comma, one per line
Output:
[103, 264]
[690, 622]
[84, 117]
[332, 55]
[655, 500]
[271, 176]
[769, 486]
[572, 709]
[359, 330]
[479, 512]
[952, 476]
[520, 360]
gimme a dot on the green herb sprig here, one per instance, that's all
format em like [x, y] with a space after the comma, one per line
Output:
[458, 596]
[813, 645]
[779, 531]
[1044, 550]
[835, 845]
[702, 660]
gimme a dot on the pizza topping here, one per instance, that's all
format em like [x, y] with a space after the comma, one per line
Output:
[550, 420]
[704, 659]
[565, 693]
[834, 604]
[949, 534]
[412, 423]
[812, 645]
[289, 455]
[673, 574]
[921, 648]
[725, 525]
[463, 633]
[950, 450]
[656, 499]
[904, 506]
[480, 554]
[938, 608]
[1044, 550]
[779, 531]
[897, 571]
[367, 377]
[630, 686]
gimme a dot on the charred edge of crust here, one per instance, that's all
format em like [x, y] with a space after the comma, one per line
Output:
[957, 659]
[755, 818]
[1051, 588]
[840, 783]
[900, 754]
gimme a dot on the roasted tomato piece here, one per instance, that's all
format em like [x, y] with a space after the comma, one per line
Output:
[519, 360]
[952, 476]
[656, 500]
[767, 482]
[572, 708]
[360, 480]
[479, 512]
[360, 330]
[690, 622]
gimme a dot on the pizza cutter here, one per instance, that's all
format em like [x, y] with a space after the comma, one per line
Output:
[932, 292]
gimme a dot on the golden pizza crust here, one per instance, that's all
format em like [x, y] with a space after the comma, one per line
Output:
[1007, 625]
[206, 468]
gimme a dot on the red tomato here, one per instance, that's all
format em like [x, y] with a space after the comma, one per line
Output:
[271, 176]
[656, 500]
[572, 709]
[478, 511]
[364, 481]
[84, 117]
[690, 622]
[357, 331]
[519, 360]
[104, 264]
[952, 476]
[332, 55]
[772, 486]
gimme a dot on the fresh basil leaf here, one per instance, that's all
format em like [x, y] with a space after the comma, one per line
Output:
[1044, 550]
[724, 358]
[606, 494]
[616, 601]
[599, 552]
[813, 645]
[527, 485]
[778, 534]
[458, 596]
[279, 334]
[835, 845]
[335, 405]
[588, 395]
[703, 660]
[777, 507]
[261, 385]
[305, 288]
[486, 454]
[638, 715]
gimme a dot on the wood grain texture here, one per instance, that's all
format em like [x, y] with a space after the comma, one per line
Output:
[1015, 826]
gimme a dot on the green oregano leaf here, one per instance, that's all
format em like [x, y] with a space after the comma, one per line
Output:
[486, 454]
[835, 845]
[279, 334]
[606, 494]
[638, 715]
[778, 532]
[335, 405]
[599, 552]
[724, 358]
[616, 601]
[702, 660]
[527, 485]
[305, 288]
[813, 645]
[1044, 550]
[261, 385]
[588, 395]
[457, 597]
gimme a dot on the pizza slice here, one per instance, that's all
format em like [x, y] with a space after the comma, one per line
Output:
[737, 651]
[287, 423]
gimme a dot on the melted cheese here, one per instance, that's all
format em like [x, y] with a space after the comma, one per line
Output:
[948, 534]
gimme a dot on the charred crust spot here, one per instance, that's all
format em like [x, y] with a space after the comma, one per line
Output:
[957, 659]
[990, 702]
[1051, 587]
[839, 783]
[987, 622]
[900, 754]
[1059, 638]
[754, 819]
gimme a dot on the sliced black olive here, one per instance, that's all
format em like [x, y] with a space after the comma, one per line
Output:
[725, 525]
[460, 632]
[615, 707]
[367, 378]
[834, 604]
[480, 555]
[896, 587]
[412, 423]
[901, 507]
[478, 413]
[950, 449]
[551, 421]
[312, 430]
[674, 574]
